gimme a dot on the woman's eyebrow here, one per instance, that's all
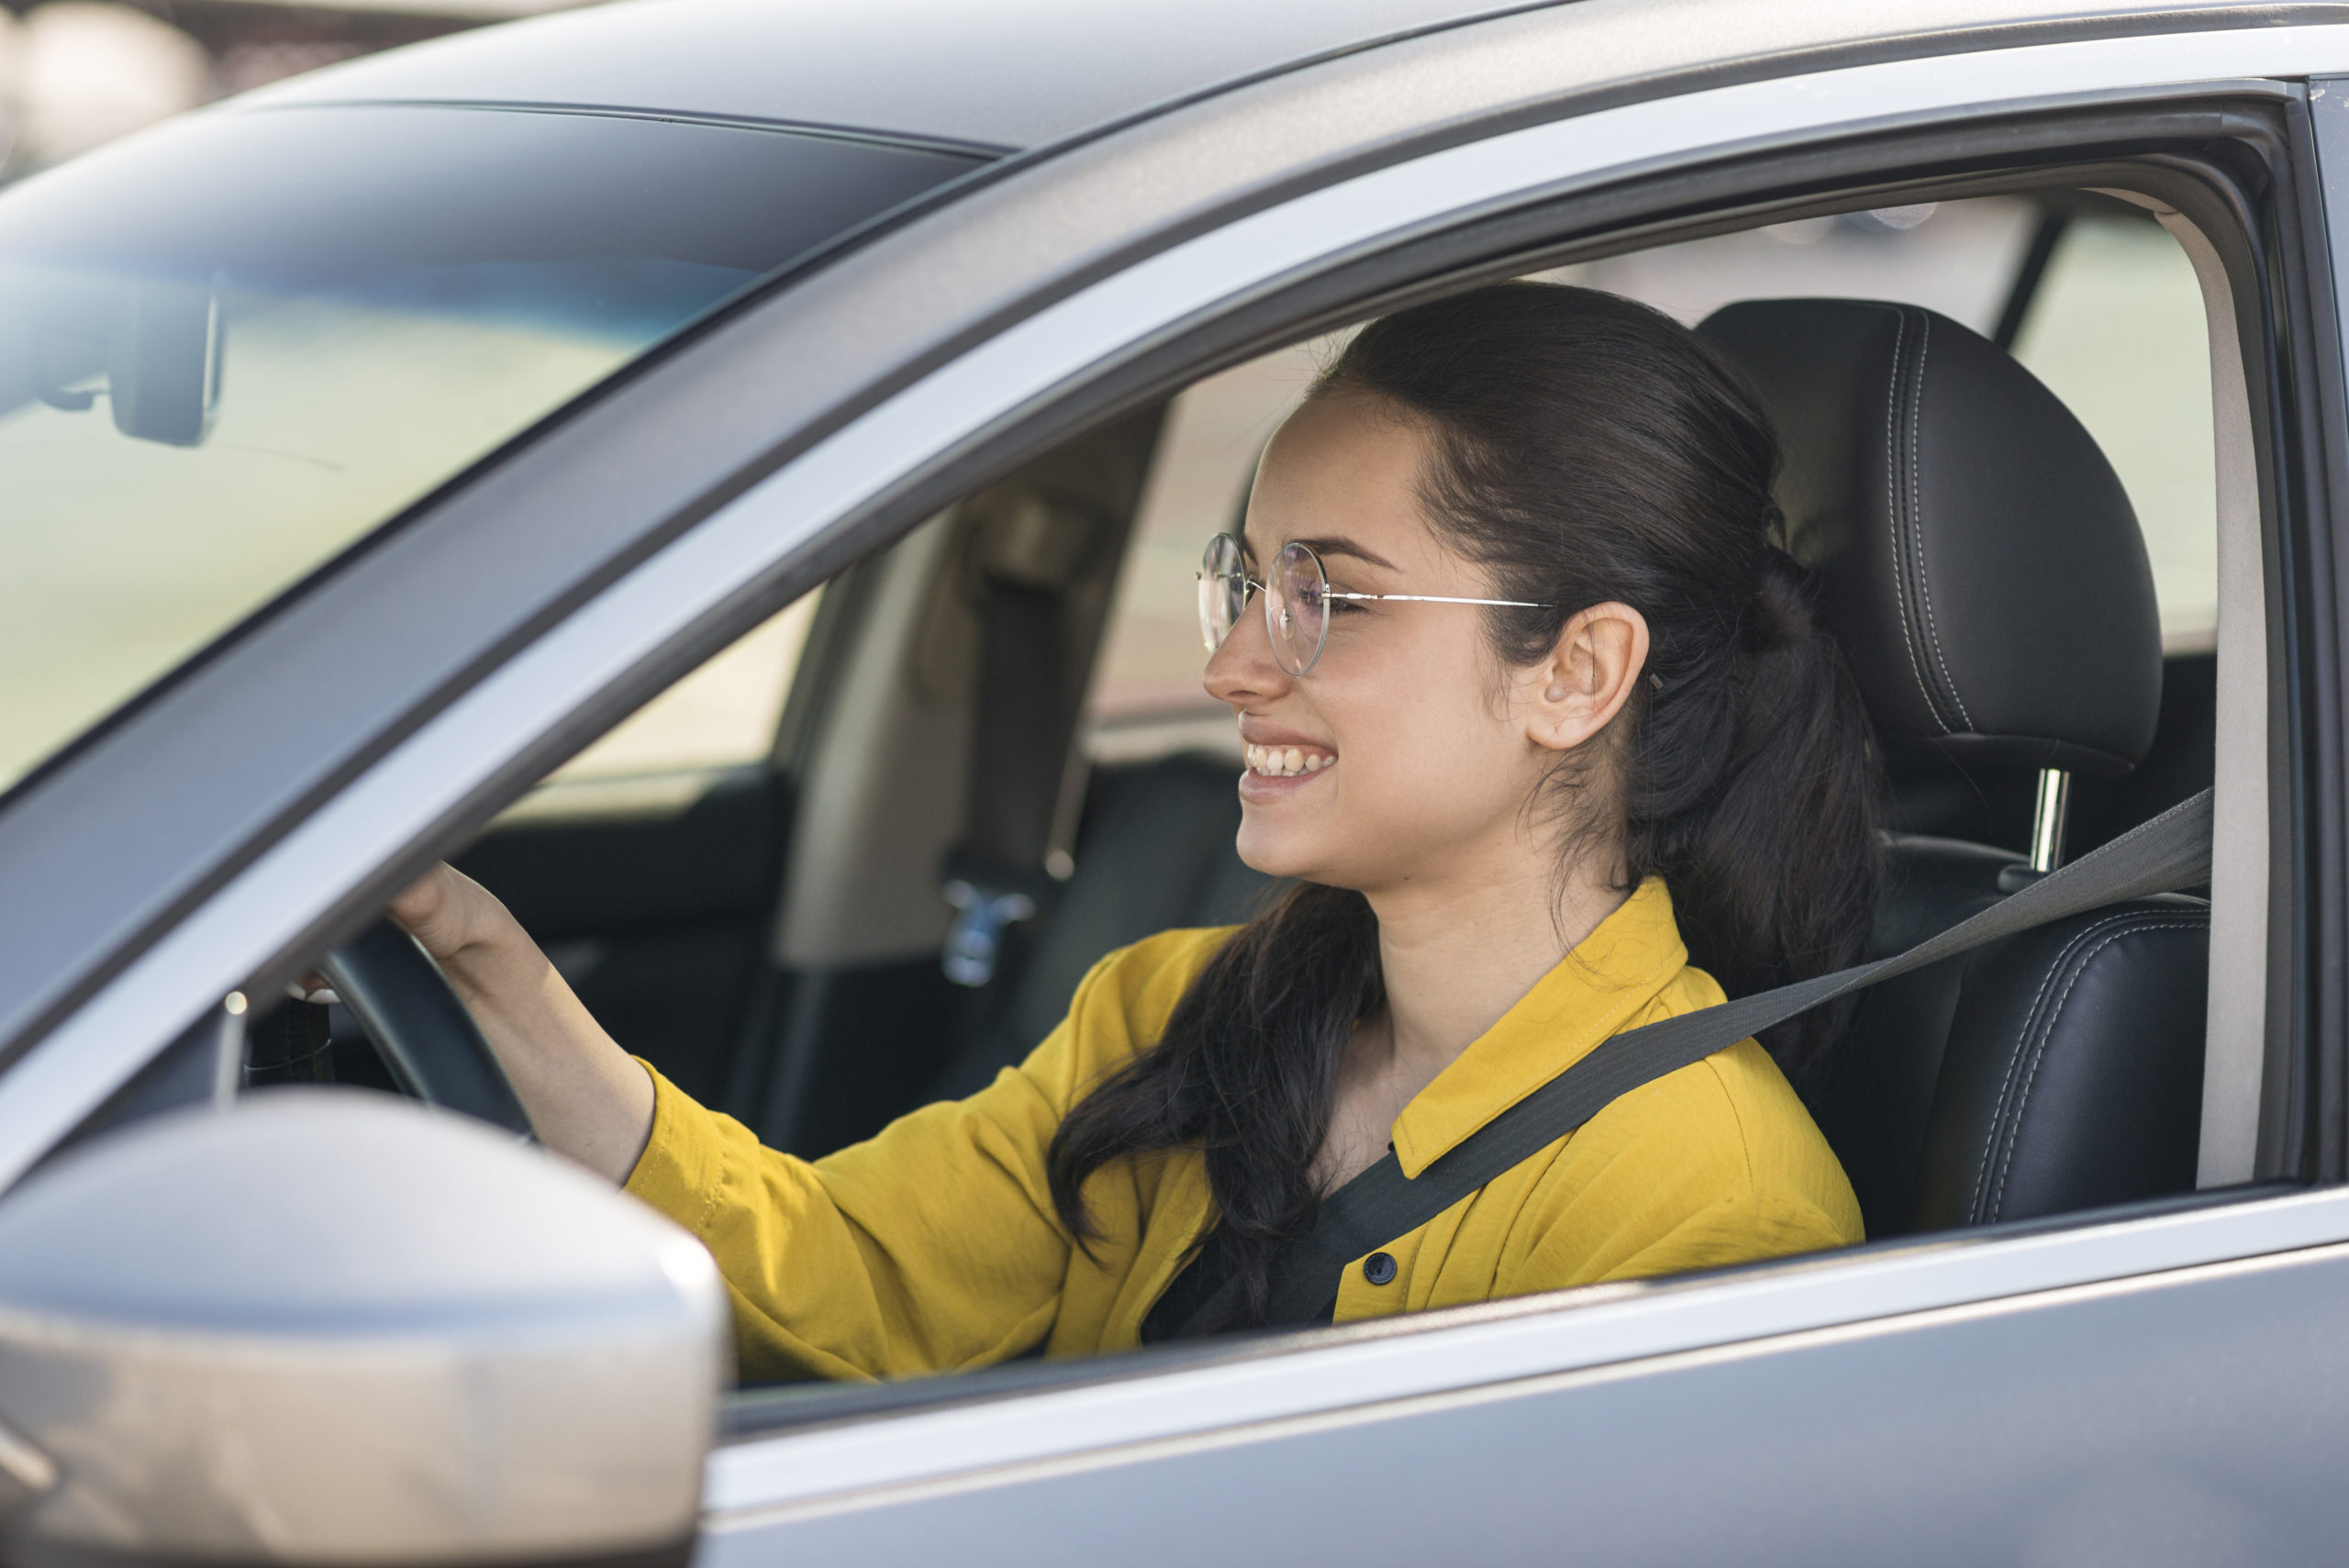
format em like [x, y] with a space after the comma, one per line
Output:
[1342, 545]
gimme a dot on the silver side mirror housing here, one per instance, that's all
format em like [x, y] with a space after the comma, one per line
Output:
[332, 1327]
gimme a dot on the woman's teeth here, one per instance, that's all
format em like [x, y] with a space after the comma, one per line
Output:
[1282, 761]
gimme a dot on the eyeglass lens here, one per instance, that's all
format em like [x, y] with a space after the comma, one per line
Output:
[1295, 600]
[1297, 608]
[1223, 589]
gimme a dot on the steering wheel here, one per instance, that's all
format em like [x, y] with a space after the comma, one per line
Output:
[429, 1042]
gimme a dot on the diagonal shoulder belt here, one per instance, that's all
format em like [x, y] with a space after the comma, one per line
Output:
[2170, 853]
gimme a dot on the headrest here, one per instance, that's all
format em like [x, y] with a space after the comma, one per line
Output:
[1975, 554]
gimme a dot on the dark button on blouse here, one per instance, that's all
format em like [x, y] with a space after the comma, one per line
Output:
[1378, 1268]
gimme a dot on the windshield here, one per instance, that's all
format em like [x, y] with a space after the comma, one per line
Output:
[230, 348]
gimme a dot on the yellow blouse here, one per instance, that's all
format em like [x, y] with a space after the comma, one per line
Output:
[933, 1246]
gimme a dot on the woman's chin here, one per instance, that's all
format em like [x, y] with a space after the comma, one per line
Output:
[1277, 847]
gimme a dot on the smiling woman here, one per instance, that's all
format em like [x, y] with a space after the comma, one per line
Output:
[1555, 680]
[1646, 708]
[228, 354]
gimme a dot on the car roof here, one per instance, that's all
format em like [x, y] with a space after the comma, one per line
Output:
[1000, 75]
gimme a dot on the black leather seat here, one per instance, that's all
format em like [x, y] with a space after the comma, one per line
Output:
[1979, 561]
[1981, 564]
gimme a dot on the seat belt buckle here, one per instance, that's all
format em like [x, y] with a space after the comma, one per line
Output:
[975, 940]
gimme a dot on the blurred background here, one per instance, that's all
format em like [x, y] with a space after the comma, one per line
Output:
[74, 73]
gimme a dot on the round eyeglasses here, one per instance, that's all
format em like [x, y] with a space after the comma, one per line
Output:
[1296, 599]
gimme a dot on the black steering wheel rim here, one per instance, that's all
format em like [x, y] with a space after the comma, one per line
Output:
[430, 1043]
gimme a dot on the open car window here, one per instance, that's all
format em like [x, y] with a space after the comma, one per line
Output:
[767, 926]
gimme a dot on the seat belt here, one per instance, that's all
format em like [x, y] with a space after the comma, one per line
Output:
[1025, 554]
[995, 876]
[2169, 852]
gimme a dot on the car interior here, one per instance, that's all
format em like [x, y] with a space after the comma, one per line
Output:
[860, 860]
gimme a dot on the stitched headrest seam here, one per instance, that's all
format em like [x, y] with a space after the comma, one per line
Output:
[1916, 519]
[1892, 491]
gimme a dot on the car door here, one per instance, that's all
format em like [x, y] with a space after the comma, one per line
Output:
[1861, 1403]
[1873, 1421]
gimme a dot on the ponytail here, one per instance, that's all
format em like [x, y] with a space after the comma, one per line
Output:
[1772, 853]
[1585, 449]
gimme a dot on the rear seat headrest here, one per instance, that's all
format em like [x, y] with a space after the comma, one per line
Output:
[1975, 554]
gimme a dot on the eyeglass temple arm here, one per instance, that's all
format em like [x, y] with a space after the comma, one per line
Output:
[1441, 599]
[1406, 599]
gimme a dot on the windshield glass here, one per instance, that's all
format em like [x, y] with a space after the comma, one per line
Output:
[230, 348]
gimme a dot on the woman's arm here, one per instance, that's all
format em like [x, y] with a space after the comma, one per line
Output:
[934, 1245]
[587, 1098]
[930, 1249]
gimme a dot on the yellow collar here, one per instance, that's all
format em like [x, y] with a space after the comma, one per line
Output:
[1613, 974]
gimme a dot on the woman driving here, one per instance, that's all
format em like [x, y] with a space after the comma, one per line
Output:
[1528, 696]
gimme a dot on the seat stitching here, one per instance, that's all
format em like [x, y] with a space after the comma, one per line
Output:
[1998, 1197]
[1892, 510]
[2006, 1083]
[2006, 1086]
[1917, 521]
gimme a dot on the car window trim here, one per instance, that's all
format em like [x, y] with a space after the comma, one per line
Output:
[2245, 896]
[1362, 1366]
[754, 551]
[764, 1412]
[978, 153]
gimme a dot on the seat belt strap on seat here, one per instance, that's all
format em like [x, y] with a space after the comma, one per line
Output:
[1027, 552]
[994, 876]
[2170, 853]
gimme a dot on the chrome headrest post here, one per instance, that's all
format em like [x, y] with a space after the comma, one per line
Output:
[2047, 819]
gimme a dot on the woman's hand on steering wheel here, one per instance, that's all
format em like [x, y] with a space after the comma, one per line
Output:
[447, 912]
[440, 909]
[585, 1097]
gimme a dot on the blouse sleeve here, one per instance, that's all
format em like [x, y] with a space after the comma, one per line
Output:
[931, 1247]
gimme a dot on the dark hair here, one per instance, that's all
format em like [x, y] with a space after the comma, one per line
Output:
[1586, 449]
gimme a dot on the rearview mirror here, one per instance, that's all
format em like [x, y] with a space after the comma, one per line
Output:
[331, 1327]
[163, 365]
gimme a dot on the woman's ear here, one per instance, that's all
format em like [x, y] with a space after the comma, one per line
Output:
[1589, 675]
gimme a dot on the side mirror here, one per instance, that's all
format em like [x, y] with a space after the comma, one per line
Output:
[330, 1327]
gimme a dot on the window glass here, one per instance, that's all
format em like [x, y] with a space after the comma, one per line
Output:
[229, 348]
[2117, 330]
[722, 714]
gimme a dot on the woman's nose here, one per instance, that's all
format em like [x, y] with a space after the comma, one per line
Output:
[1243, 670]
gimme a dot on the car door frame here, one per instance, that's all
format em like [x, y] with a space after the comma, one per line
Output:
[876, 471]
[777, 1484]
